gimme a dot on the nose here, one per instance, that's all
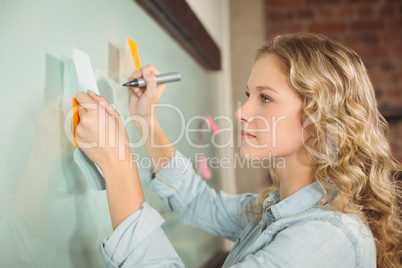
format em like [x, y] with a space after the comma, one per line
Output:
[243, 114]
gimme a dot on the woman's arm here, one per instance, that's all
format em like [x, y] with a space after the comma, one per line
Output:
[199, 205]
[160, 156]
[124, 191]
[101, 135]
[143, 108]
[137, 240]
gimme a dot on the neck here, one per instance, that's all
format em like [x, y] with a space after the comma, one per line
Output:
[297, 173]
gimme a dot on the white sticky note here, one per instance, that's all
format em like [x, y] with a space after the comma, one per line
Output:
[85, 73]
[86, 81]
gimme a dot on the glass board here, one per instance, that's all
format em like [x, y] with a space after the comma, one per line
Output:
[49, 214]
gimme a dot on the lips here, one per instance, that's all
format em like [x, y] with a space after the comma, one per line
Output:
[246, 135]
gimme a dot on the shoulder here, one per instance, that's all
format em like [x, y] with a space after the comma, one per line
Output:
[345, 234]
[360, 235]
[351, 226]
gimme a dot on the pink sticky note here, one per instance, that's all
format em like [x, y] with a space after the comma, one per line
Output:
[213, 125]
[204, 169]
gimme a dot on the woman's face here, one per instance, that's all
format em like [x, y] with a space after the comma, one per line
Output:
[270, 118]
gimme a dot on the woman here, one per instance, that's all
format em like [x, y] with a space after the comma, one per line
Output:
[333, 204]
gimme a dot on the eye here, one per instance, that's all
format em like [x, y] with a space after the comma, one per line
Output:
[265, 99]
[247, 94]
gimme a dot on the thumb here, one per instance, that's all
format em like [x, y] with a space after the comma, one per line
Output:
[150, 78]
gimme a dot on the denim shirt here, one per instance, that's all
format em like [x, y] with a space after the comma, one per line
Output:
[294, 232]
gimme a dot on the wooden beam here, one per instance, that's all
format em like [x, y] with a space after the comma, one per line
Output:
[179, 20]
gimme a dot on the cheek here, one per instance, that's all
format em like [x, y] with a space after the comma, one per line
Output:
[287, 134]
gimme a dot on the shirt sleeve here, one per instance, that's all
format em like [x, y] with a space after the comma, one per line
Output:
[139, 241]
[311, 244]
[198, 205]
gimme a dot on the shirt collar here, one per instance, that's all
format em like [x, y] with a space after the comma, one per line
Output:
[304, 199]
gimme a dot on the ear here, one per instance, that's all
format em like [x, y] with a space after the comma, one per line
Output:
[309, 133]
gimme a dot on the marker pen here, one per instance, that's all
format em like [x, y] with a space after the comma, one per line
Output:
[160, 79]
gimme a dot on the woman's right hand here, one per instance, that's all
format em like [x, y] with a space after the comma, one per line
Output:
[143, 99]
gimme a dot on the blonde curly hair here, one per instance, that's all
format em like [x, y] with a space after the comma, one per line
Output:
[349, 137]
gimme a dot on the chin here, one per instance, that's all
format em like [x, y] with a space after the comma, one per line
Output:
[253, 154]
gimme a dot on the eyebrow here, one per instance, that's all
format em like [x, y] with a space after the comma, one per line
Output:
[259, 88]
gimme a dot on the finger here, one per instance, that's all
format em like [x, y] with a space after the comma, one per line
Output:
[149, 75]
[139, 72]
[151, 68]
[85, 103]
[136, 74]
[98, 99]
[81, 110]
[83, 98]
[102, 101]
[137, 91]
